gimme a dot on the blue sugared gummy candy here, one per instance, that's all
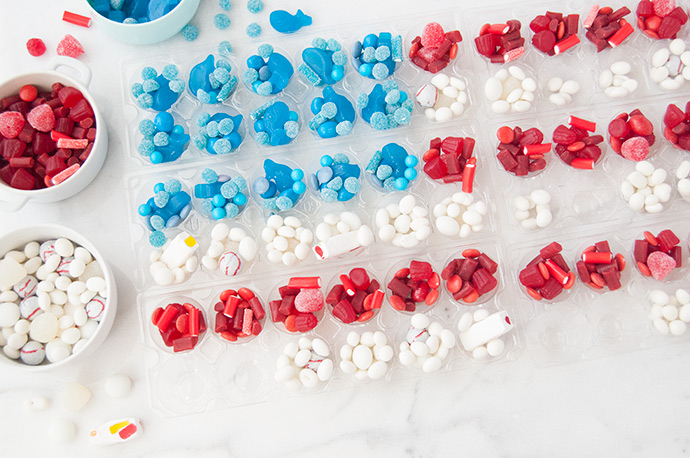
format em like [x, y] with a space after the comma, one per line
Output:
[203, 96]
[291, 129]
[157, 223]
[341, 158]
[255, 6]
[378, 121]
[284, 203]
[150, 85]
[157, 239]
[253, 30]
[352, 185]
[170, 72]
[384, 171]
[390, 85]
[148, 73]
[212, 129]
[147, 128]
[224, 48]
[226, 126]
[231, 210]
[209, 176]
[362, 100]
[176, 86]
[265, 50]
[393, 96]
[382, 53]
[190, 32]
[343, 128]
[161, 139]
[402, 116]
[329, 195]
[250, 75]
[229, 190]
[264, 88]
[329, 110]
[339, 58]
[222, 146]
[202, 119]
[225, 4]
[146, 146]
[319, 43]
[137, 89]
[380, 71]
[172, 186]
[221, 74]
[333, 45]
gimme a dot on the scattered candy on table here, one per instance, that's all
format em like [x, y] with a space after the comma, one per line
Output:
[304, 364]
[522, 152]
[533, 210]
[75, 396]
[239, 315]
[659, 19]
[414, 285]
[190, 32]
[444, 98]
[600, 268]
[163, 141]
[481, 332]
[677, 127]
[615, 82]
[392, 168]
[116, 431]
[222, 196]
[670, 312]
[575, 145]
[377, 55]
[287, 241]
[337, 179]
[669, 65]
[210, 80]
[386, 106]
[230, 251]
[460, 215]
[52, 300]
[133, 12]
[333, 113]
[280, 188]
[44, 144]
[657, 256]
[176, 261]
[158, 92]
[355, 297]
[547, 275]
[426, 345]
[683, 176]
[275, 124]
[366, 356]
[324, 62]
[221, 21]
[631, 135]
[554, 33]
[510, 90]
[253, 30]
[450, 159]
[471, 279]
[169, 206]
[645, 189]
[218, 133]
[70, 47]
[607, 28]
[268, 72]
[341, 234]
[117, 386]
[255, 6]
[284, 22]
[501, 42]
[434, 50]
[404, 223]
[181, 326]
[562, 92]
[300, 306]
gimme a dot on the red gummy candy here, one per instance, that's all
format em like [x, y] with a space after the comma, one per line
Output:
[42, 118]
[663, 7]
[36, 47]
[433, 35]
[70, 46]
[660, 264]
[11, 124]
[635, 149]
[309, 300]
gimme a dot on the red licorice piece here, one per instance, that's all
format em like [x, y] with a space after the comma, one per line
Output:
[525, 153]
[413, 285]
[634, 129]
[547, 275]
[500, 43]
[76, 19]
[180, 325]
[657, 256]
[677, 126]
[471, 276]
[434, 50]
[660, 19]
[575, 146]
[554, 33]
[36, 47]
[606, 27]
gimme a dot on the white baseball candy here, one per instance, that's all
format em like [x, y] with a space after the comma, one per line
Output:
[427, 95]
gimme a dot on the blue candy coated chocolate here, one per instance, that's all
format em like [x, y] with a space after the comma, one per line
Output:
[324, 175]
[370, 40]
[270, 191]
[313, 182]
[290, 194]
[284, 22]
[163, 97]
[316, 105]
[327, 129]
[173, 221]
[186, 209]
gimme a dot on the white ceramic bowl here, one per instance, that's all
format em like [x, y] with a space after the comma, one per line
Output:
[20, 237]
[149, 32]
[12, 199]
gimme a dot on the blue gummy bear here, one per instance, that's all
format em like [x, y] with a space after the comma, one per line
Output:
[284, 22]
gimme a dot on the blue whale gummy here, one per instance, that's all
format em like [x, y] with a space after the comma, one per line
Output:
[205, 84]
[334, 114]
[284, 22]
[273, 122]
[377, 109]
[323, 62]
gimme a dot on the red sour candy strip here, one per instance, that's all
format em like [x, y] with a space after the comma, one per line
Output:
[582, 123]
[68, 172]
[72, 143]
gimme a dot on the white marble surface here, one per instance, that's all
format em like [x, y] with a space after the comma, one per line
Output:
[632, 405]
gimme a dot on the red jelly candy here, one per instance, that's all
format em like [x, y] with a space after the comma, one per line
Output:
[663, 8]
[433, 35]
[309, 300]
[42, 118]
[70, 46]
[305, 322]
[660, 264]
[36, 47]
[11, 124]
[635, 149]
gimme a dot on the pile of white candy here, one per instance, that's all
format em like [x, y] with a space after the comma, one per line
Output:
[645, 189]
[683, 176]
[286, 240]
[669, 314]
[615, 82]
[480, 332]
[52, 294]
[404, 224]
[230, 250]
[305, 363]
[460, 215]
[562, 92]
[670, 66]
[366, 356]
[510, 90]
[340, 234]
[533, 210]
[444, 98]
[175, 261]
[427, 344]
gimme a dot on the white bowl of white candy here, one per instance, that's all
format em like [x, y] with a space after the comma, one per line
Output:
[57, 297]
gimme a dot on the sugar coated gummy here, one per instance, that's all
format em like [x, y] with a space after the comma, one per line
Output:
[225, 4]
[70, 46]
[190, 32]
[36, 47]
[221, 21]
[253, 30]
[255, 6]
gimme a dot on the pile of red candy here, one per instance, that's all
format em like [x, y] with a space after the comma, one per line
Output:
[435, 48]
[470, 277]
[356, 297]
[547, 275]
[501, 42]
[660, 18]
[607, 28]
[599, 268]
[631, 135]
[521, 152]
[554, 33]
[575, 146]
[451, 160]
[299, 302]
[413, 285]
[677, 126]
[44, 136]
[239, 314]
[180, 325]
[658, 256]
